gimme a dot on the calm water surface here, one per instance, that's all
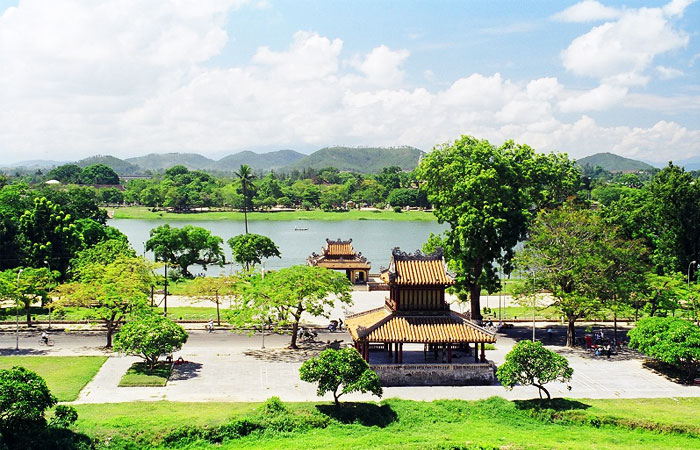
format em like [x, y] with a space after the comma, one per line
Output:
[374, 238]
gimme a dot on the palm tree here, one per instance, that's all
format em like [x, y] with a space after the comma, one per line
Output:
[245, 174]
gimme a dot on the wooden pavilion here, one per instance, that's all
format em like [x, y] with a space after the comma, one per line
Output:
[340, 255]
[416, 313]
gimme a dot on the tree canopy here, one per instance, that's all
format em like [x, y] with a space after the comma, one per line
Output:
[332, 369]
[530, 364]
[185, 246]
[486, 194]
[150, 336]
[250, 249]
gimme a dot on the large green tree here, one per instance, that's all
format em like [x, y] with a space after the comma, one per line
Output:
[150, 336]
[582, 261]
[250, 249]
[489, 195]
[287, 294]
[185, 246]
[112, 291]
[99, 174]
[32, 285]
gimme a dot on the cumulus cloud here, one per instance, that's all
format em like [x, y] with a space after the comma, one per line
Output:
[623, 50]
[126, 78]
[587, 11]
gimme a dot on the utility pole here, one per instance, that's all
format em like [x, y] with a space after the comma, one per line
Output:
[17, 313]
[165, 293]
[262, 319]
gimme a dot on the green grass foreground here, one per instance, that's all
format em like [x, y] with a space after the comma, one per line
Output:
[144, 213]
[494, 423]
[138, 375]
[65, 376]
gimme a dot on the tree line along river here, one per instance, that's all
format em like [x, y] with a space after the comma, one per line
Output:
[373, 238]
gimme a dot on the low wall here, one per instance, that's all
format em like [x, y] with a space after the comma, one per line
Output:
[435, 374]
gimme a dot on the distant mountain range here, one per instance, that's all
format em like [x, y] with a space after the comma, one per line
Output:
[613, 163]
[360, 159]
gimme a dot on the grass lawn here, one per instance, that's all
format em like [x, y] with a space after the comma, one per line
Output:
[138, 375]
[144, 213]
[492, 424]
[65, 375]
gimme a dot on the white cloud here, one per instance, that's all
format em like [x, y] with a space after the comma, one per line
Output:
[622, 51]
[667, 73]
[587, 11]
[127, 78]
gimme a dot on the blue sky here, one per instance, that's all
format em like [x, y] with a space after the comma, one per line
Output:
[125, 77]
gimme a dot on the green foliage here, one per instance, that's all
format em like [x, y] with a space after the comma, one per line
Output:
[103, 253]
[185, 246]
[672, 340]
[112, 291]
[67, 173]
[580, 259]
[335, 368]
[150, 336]
[63, 416]
[250, 249]
[48, 234]
[98, 174]
[286, 294]
[530, 364]
[24, 397]
[486, 194]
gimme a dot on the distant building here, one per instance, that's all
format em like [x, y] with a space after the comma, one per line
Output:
[339, 255]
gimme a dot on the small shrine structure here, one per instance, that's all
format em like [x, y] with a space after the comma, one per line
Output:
[340, 255]
[415, 312]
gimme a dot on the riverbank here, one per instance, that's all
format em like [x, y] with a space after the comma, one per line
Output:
[144, 213]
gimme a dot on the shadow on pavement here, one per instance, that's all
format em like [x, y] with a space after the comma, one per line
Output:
[22, 352]
[366, 414]
[305, 351]
[185, 371]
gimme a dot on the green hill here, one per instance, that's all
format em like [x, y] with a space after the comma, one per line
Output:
[118, 165]
[360, 159]
[162, 161]
[259, 161]
[613, 163]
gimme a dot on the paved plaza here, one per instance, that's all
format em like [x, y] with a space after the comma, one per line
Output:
[231, 367]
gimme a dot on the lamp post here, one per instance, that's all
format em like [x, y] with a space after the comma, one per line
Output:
[50, 301]
[689, 266]
[534, 305]
[262, 319]
[17, 313]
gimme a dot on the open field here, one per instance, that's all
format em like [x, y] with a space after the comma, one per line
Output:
[65, 375]
[491, 423]
[144, 213]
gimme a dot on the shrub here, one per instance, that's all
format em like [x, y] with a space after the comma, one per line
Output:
[24, 397]
[64, 416]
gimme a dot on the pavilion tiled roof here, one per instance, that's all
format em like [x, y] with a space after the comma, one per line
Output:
[418, 269]
[382, 325]
[339, 248]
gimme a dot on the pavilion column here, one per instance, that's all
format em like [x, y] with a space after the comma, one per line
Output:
[476, 352]
[449, 353]
[483, 352]
[367, 351]
[401, 353]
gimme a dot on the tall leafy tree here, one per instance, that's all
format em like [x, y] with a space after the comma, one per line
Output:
[250, 249]
[67, 173]
[530, 364]
[290, 292]
[112, 291]
[99, 174]
[245, 176]
[489, 195]
[33, 285]
[49, 236]
[573, 254]
[185, 246]
[150, 336]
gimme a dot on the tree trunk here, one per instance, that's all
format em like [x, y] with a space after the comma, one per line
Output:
[295, 330]
[245, 207]
[335, 398]
[218, 314]
[475, 300]
[542, 389]
[110, 330]
[571, 332]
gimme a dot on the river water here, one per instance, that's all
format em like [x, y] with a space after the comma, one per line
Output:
[374, 238]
